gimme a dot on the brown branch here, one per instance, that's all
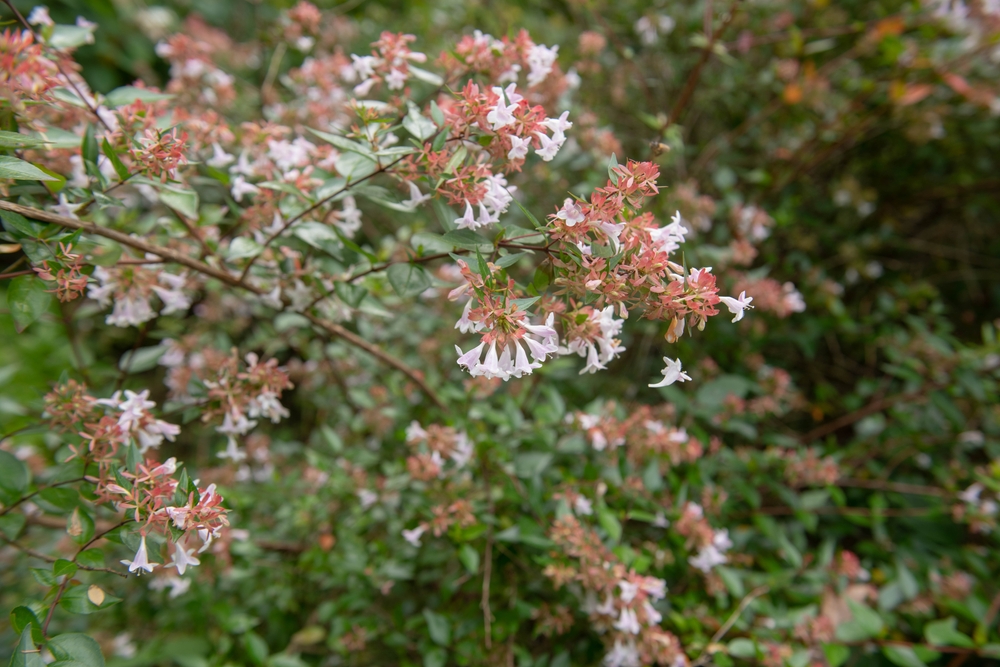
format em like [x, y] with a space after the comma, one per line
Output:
[414, 260]
[841, 511]
[859, 414]
[695, 75]
[322, 202]
[34, 493]
[15, 274]
[378, 353]
[52, 559]
[126, 240]
[896, 487]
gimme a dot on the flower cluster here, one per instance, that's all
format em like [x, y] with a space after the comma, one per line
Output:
[618, 601]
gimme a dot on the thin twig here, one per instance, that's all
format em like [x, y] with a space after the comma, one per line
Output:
[126, 240]
[34, 493]
[378, 353]
[730, 622]
[15, 274]
[695, 75]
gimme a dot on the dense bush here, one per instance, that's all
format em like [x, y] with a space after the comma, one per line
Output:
[355, 352]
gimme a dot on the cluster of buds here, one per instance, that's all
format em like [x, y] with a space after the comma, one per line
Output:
[25, 69]
[158, 154]
[494, 311]
[390, 63]
[619, 602]
[502, 60]
[645, 434]
[433, 446]
[978, 508]
[242, 394]
[445, 516]
[712, 544]
[64, 271]
[154, 495]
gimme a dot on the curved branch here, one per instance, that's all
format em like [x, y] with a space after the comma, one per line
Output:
[378, 353]
[126, 240]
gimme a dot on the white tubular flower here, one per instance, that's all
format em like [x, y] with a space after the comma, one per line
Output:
[240, 188]
[470, 359]
[141, 560]
[183, 558]
[628, 622]
[672, 373]
[518, 148]
[558, 125]
[738, 305]
[707, 558]
[468, 219]
[416, 197]
[220, 158]
[501, 115]
[550, 145]
[629, 590]
[413, 535]
[463, 451]
[570, 213]
[540, 61]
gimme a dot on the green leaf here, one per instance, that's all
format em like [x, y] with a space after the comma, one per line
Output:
[425, 76]
[436, 114]
[344, 144]
[129, 94]
[22, 617]
[91, 558]
[27, 300]
[18, 224]
[408, 279]
[355, 166]
[417, 125]
[12, 167]
[836, 654]
[510, 260]
[439, 627]
[467, 240]
[532, 464]
[25, 653]
[469, 557]
[243, 247]
[13, 478]
[610, 523]
[18, 140]
[865, 624]
[742, 648]
[319, 236]
[88, 149]
[80, 526]
[120, 168]
[132, 457]
[436, 657]
[903, 656]
[141, 360]
[64, 568]
[11, 523]
[70, 36]
[611, 165]
[182, 201]
[531, 218]
[76, 648]
[75, 600]
[256, 648]
[944, 633]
